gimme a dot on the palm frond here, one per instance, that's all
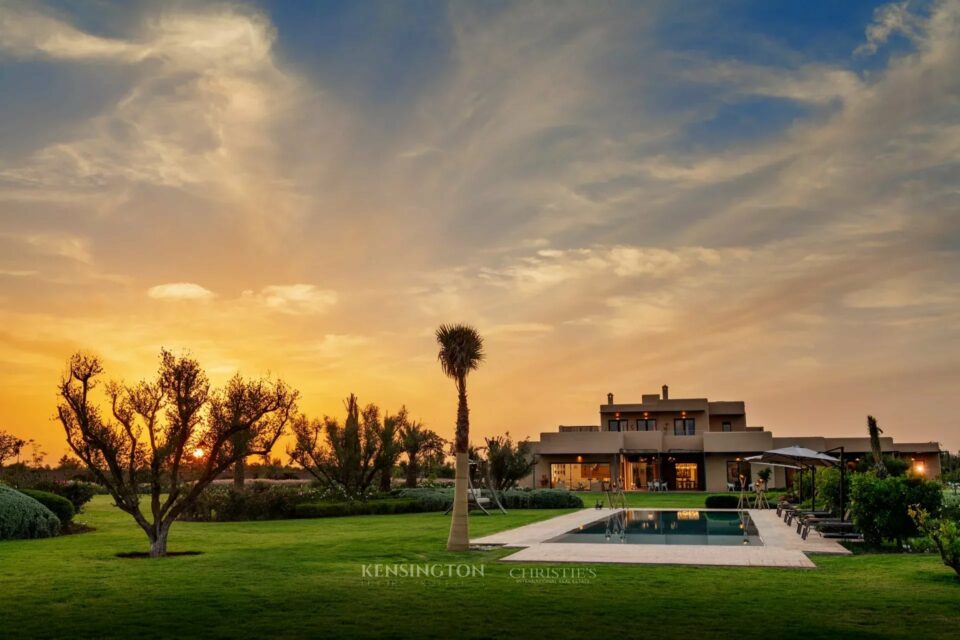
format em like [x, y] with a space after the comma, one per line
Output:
[461, 349]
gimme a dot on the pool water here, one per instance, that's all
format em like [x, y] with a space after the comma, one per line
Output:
[659, 526]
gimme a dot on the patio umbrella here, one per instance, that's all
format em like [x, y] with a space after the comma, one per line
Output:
[799, 457]
[795, 456]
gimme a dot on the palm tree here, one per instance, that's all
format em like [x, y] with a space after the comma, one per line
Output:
[418, 441]
[461, 351]
[878, 466]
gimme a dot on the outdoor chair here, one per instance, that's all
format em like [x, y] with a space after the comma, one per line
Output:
[793, 513]
[834, 529]
[814, 522]
[813, 516]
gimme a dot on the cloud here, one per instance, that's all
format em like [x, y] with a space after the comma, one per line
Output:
[297, 298]
[27, 31]
[613, 207]
[53, 244]
[180, 291]
[890, 19]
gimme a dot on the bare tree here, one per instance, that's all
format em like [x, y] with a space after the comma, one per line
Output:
[161, 432]
[10, 446]
[247, 402]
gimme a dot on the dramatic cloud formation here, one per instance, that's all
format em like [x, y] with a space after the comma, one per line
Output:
[619, 195]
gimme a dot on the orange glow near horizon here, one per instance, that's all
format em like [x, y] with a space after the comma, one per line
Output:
[199, 187]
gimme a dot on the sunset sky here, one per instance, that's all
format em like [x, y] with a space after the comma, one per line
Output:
[753, 201]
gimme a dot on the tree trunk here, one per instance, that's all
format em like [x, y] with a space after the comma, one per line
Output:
[412, 472]
[463, 419]
[459, 539]
[239, 473]
[158, 541]
[385, 477]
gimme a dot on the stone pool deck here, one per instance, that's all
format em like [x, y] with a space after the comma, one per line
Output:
[782, 546]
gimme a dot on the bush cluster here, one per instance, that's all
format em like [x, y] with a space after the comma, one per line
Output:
[78, 493]
[722, 501]
[23, 517]
[540, 499]
[60, 506]
[880, 507]
[379, 506]
[433, 499]
[258, 501]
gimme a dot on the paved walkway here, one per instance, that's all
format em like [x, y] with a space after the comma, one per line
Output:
[782, 546]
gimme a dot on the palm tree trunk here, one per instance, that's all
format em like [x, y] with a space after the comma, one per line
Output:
[412, 471]
[459, 539]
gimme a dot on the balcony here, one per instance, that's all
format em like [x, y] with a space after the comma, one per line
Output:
[580, 442]
[737, 441]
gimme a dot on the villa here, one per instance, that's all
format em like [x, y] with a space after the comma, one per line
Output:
[691, 444]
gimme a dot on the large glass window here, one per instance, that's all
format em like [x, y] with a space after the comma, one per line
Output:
[687, 476]
[684, 427]
[646, 425]
[734, 469]
[579, 476]
[616, 425]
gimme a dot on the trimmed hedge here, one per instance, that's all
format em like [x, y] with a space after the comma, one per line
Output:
[440, 499]
[540, 499]
[23, 517]
[78, 493]
[722, 501]
[370, 507]
[61, 507]
[258, 501]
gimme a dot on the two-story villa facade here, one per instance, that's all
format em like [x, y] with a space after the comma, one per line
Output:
[691, 444]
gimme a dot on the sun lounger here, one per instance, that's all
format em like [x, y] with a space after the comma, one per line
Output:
[832, 528]
[793, 513]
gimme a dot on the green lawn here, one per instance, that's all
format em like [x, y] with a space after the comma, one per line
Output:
[303, 578]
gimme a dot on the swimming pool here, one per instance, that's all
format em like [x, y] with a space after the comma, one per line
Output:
[668, 526]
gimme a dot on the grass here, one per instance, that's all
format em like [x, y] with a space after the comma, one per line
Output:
[303, 578]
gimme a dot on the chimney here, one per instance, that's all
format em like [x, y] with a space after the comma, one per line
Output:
[609, 398]
[666, 392]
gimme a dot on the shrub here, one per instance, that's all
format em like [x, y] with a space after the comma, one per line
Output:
[879, 507]
[951, 507]
[370, 507]
[943, 533]
[258, 501]
[23, 517]
[540, 499]
[431, 499]
[60, 506]
[78, 493]
[722, 501]
[828, 489]
[895, 466]
[441, 499]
